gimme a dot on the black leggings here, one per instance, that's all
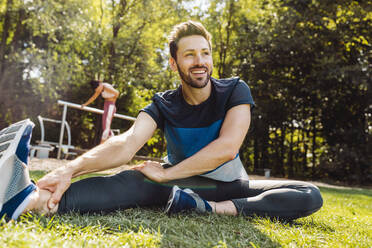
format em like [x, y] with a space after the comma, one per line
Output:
[128, 189]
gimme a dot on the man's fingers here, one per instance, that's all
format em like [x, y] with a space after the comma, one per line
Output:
[55, 198]
[159, 165]
[46, 180]
[51, 204]
[43, 184]
[138, 167]
[153, 163]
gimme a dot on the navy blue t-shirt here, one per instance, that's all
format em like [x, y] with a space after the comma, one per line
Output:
[189, 128]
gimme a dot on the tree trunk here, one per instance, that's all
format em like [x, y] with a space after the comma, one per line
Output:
[277, 149]
[282, 150]
[255, 151]
[265, 144]
[290, 158]
[313, 146]
[5, 35]
[225, 45]
[306, 147]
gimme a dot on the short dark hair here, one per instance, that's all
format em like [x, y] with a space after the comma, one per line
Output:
[94, 83]
[187, 29]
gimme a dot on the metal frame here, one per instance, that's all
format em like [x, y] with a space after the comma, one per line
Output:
[88, 109]
[42, 131]
[49, 145]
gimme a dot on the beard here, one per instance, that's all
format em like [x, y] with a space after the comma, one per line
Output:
[195, 83]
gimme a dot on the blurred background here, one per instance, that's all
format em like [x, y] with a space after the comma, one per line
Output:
[307, 62]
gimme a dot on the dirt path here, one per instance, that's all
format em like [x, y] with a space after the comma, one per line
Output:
[52, 163]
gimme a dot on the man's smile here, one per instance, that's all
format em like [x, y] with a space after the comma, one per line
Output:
[197, 71]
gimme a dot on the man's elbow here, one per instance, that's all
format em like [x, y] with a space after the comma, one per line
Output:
[229, 148]
[229, 153]
[232, 155]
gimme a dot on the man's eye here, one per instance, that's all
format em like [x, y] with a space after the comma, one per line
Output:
[188, 54]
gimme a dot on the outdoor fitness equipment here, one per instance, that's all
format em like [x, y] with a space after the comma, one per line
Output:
[88, 109]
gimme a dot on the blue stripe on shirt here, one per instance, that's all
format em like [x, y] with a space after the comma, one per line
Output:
[185, 142]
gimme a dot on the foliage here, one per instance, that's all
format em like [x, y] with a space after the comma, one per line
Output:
[307, 63]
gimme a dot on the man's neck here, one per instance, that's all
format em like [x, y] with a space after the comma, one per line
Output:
[195, 96]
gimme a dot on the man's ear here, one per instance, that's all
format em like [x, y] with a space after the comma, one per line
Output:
[173, 64]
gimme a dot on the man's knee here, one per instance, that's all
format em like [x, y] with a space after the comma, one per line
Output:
[311, 197]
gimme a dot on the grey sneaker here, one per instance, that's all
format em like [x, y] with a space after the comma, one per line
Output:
[15, 183]
[186, 200]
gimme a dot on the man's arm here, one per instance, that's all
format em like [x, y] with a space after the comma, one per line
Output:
[116, 151]
[221, 150]
[120, 149]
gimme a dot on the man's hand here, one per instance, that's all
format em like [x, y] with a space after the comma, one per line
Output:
[56, 182]
[153, 170]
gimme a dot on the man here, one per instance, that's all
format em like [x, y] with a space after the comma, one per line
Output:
[205, 122]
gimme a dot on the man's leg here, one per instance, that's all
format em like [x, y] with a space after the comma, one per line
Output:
[276, 199]
[280, 199]
[131, 188]
[124, 190]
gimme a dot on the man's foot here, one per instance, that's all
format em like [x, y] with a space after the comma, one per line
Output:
[15, 184]
[39, 202]
[184, 200]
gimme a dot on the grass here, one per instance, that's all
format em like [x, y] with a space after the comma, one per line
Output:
[344, 221]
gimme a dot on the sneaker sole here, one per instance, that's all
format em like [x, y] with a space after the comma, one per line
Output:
[172, 198]
[10, 137]
[9, 140]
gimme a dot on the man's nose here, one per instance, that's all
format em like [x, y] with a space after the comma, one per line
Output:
[198, 59]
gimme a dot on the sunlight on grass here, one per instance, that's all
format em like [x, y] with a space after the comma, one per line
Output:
[345, 220]
[33, 231]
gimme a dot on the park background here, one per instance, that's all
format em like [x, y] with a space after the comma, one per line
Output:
[307, 62]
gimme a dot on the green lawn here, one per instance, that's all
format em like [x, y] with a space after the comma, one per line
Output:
[344, 221]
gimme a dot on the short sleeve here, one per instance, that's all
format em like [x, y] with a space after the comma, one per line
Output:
[241, 94]
[155, 114]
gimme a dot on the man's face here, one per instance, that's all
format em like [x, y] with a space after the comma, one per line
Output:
[194, 61]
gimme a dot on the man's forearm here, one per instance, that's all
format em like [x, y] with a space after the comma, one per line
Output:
[115, 152]
[207, 159]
